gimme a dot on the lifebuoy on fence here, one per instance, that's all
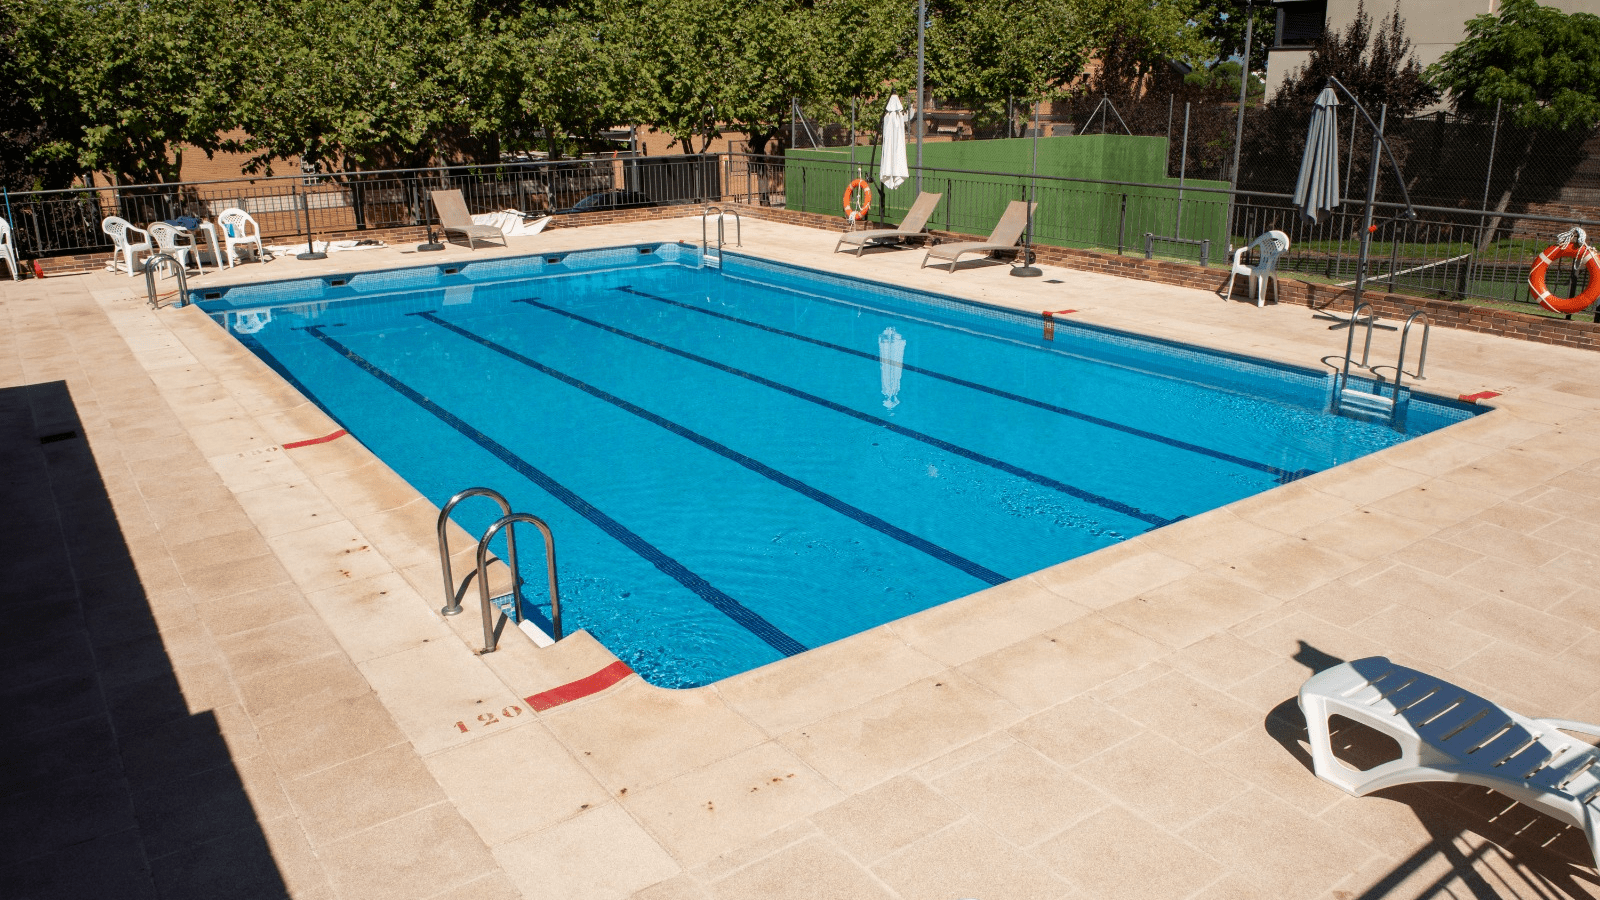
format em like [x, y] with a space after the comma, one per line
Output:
[852, 211]
[1572, 244]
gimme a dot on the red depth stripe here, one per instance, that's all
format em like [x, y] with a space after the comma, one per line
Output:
[1059, 312]
[321, 440]
[1481, 395]
[583, 687]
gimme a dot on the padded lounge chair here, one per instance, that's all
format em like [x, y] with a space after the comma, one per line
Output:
[915, 221]
[1447, 733]
[453, 217]
[1004, 237]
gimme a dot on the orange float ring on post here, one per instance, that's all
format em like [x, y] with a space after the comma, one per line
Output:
[1554, 253]
[851, 211]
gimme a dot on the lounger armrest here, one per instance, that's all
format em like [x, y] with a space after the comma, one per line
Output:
[1569, 725]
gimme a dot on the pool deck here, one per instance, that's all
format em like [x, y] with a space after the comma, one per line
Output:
[227, 675]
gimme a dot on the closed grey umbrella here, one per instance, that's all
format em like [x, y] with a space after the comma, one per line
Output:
[1317, 190]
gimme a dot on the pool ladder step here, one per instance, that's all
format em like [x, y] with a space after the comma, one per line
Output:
[1373, 405]
[508, 604]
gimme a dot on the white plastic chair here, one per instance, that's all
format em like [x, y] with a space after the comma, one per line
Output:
[8, 248]
[238, 228]
[121, 231]
[1447, 733]
[1272, 245]
[181, 244]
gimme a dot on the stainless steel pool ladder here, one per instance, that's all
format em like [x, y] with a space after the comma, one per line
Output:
[1374, 403]
[487, 604]
[150, 278]
[738, 234]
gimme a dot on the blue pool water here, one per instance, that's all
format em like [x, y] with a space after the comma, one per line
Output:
[743, 463]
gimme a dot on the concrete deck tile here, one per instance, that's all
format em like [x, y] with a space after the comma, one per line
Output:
[227, 578]
[284, 692]
[1159, 779]
[313, 738]
[980, 623]
[1116, 854]
[802, 872]
[870, 743]
[1582, 608]
[635, 735]
[683, 887]
[365, 489]
[494, 886]
[1020, 795]
[1497, 543]
[1209, 538]
[261, 467]
[418, 855]
[1343, 602]
[601, 854]
[356, 794]
[430, 687]
[1287, 568]
[1057, 665]
[281, 643]
[1287, 851]
[1291, 635]
[1112, 575]
[1367, 480]
[967, 860]
[511, 783]
[882, 819]
[377, 616]
[1527, 585]
[801, 689]
[755, 851]
[703, 814]
[1510, 621]
[1184, 611]
[1193, 715]
[406, 536]
[1435, 642]
[1071, 732]
[1419, 588]
[287, 507]
[328, 556]
[1291, 508]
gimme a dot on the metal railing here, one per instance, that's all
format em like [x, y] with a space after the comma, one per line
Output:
[1470, 255]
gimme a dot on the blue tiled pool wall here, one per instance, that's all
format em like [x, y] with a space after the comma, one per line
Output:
[1299, 386]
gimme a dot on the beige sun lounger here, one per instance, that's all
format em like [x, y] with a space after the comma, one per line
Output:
[453, 217]
[915, 221]
[1004, 237]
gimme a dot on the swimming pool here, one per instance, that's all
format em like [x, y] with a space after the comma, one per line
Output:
[743, 462]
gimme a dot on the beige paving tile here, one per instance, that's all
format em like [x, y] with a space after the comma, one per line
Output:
[1291, 508]
[1193, 715]
[1297, 634]
[1113, 574]
[1071, 732]
[1368, 534]
[1513, 622]
[1159, 779]
[1020, 795]
[305, 685]
[1184, 611]
[1116, 854]
[228, 578]
[1495, 542]
[252, 609]
[408, 535]
[1366, 480]
[1210, 538]
[377, 616]
[418, 855]
[365, 489]
[1437, 503]
[980, 623]
[356, 794]
[870, 743]
[494, 886]
[755, 851]
[431, 687]
[291, 640]
[315, 738]
[703, 814]
[1059, 664]
[288, 507]
[636, 735]
[250, 470]
[884, 818]
[328, 555]
[514, 782]
[1277, 846]
[1512, 581]
[1435, 642]
[967, 860]
[801, 689]
[600, 854]
[804, 871]
[1288, 568]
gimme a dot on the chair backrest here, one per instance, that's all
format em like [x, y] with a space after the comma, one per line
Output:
[452, 209]
[166, 236]
[1272, 245]
[1011, 225]
[117, 227]
[5, 233]
[921, 211]
[243, 225]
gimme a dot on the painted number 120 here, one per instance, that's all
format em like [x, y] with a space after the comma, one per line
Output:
[489, 718]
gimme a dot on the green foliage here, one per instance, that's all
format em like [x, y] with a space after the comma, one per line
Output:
[1541, 63]
[1378, 66]
[1222, 25]
[1224, 77]
[984, 53]
[1136, 40]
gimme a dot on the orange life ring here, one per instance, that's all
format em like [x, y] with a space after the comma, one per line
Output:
[851, 211]
[1557, 252]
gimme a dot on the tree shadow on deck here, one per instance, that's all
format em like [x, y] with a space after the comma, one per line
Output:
[111, 787]
[1483, 844]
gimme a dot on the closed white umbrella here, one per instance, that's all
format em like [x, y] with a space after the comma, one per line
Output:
[891, 354]
[1317, 190]
[894, 170]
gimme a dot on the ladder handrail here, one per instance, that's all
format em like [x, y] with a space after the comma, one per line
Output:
[1349, 350]
[150, 278]
[738, 225]
[490, 639]
[452, 598]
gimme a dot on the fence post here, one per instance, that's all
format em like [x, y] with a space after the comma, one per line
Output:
[1122, 224]
[949, 200]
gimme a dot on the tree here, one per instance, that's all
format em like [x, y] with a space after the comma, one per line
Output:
[119, 86]
[1378, 66]
[984, 53]
[1222, 25]
[1541, 63]
[1137, 41]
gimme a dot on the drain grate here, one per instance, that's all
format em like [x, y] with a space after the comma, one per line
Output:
[60, 436]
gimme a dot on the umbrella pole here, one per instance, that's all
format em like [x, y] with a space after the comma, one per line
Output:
[1028, 269]
[1366, 234]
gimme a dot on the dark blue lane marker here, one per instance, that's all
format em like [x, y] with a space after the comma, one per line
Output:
[668, 566]
[1041, 480]
[1283, 476]
[262, 353]
[981, 573]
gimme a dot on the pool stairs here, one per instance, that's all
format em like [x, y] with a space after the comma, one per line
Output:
[1371, 405]
[508, 604]
[708, 260]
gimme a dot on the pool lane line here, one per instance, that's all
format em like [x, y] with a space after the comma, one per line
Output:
[986, 575]
[668, 566]
[1283, 476]
[1116, 506]
[255, 346]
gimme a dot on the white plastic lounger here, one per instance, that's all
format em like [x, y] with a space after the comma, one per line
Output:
[1447, 733]
[1005, 236]
[453, 217]
[912, 227]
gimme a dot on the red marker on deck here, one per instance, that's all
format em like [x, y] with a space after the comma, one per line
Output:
[1049, 322]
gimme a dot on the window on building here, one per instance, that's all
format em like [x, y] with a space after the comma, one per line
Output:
[1301, 23]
